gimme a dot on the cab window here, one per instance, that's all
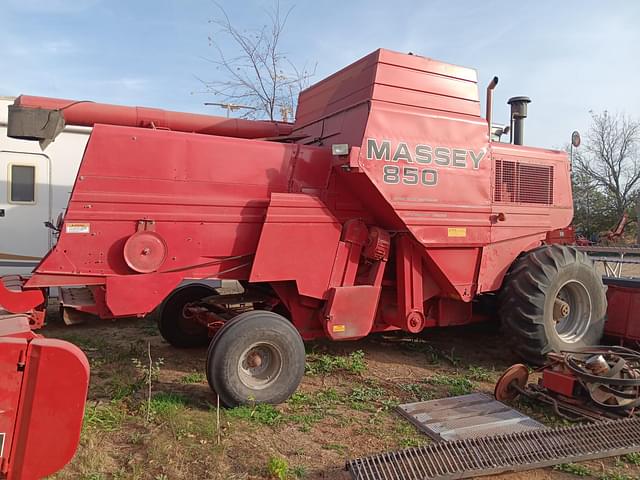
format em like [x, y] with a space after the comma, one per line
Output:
[22, 184]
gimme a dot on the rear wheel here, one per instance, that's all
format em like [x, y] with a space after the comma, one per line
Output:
[257, 356]
[552, 299]
[175, 328]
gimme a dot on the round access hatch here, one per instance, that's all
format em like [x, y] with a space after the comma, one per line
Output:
[145, 251]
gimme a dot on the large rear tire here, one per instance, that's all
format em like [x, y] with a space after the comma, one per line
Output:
[258, 357]
[179, 331]
[552, 299]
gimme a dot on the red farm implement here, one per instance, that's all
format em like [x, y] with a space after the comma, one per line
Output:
[385, 206]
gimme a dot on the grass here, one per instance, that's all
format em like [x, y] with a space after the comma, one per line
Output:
[193, 377]
[105, 417]
[616, 476]
[277, 467]
[406, 435]
[299, 471]
[632, 458]
[165, 405]
[418, 391]
[324, 364]
[573, 469]
[480, 374]
[336, 447]
[456, 384]
[362, 397]
[261, 413]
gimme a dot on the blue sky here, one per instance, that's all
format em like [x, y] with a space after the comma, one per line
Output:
[568, 56]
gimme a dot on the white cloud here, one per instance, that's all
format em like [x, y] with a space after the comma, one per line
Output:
[59, 47]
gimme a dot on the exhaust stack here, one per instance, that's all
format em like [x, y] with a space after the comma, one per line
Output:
[489, 109]
[518, 114]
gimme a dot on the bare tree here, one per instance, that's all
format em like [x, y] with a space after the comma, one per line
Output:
[254, 71]
[611, 159]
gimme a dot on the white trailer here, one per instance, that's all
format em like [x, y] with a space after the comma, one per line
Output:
[34, 188]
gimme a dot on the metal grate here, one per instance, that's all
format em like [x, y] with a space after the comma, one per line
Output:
[502, 453]
[465, 416]
[517, 182]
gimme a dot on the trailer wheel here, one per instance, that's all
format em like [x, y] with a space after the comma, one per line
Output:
[257, 356]
[552, 299]
[179, 331]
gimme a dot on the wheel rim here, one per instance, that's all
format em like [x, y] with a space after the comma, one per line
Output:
[189, 325]
[572, 311]
[260, 365]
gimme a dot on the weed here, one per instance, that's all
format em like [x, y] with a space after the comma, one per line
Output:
[411, 442]
[147, 373]
[166, 404]
[389, 404]
[479, 374]
[309, 409]
[299, 471]
[104, 417]
[120, 387]
[323, 364]
[632, 458]
[194, 377]
[93, 476]
[615, 476]
[261, 413]
[336, 447]
[277, 467]
[328, 396]
[573, 469]
[457, 385]
[419, 391]
[434, 356]
[361, 397]
[407, 436]
[299, 399]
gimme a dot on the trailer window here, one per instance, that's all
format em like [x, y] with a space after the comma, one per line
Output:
[23, 184]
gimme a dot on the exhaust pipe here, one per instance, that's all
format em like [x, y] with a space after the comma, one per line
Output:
[489, 112]
[518, 114]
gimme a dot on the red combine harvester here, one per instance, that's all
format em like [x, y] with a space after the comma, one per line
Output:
[384, 207]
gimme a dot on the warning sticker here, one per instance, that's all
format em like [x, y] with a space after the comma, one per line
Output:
[78, 227]
[456, 232]
[339, 328]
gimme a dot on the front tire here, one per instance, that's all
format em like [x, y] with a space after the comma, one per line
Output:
[258, 357]
[179, 331]
[552, 299]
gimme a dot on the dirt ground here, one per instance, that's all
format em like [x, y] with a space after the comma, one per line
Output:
[343, 409]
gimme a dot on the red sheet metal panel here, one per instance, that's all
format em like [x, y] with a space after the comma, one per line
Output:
[350, 311]
[51, 409]
[299, 241]
[559, 382]
[623, 305]
[11, 351]
[43, 388]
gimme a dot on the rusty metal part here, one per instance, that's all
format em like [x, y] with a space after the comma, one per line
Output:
[502, 453]
[597, 365]
[561, 309]
[598, 383]
[564, 408]
[516, 375]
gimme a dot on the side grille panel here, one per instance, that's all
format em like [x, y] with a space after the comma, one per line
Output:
[517, 182]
